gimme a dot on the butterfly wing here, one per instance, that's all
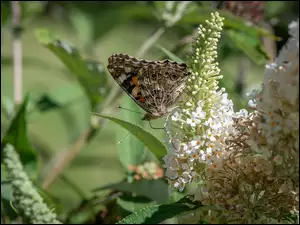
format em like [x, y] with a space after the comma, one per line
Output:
[161, 84]
[124, 69]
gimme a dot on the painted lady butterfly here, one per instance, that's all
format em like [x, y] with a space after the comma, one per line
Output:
[154, 85]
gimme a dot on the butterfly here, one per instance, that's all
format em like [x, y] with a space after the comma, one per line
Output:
[154, 85]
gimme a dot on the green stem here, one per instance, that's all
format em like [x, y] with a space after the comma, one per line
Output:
[150, 42]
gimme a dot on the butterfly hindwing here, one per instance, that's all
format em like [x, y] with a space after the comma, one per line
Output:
[161, 83]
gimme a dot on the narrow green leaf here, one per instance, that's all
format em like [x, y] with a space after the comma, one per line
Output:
[17, 136]
[6, 210]
[151, 214]
[170, 54]
[156, 190]
[250, 45]
[134, 203]
[200, 15]
[239, 24]
[13, 207]
[130, 149]
[150, 141]
[156, 214]
[90, 74]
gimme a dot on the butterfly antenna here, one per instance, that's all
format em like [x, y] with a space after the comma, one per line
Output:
[120, 107]
[123, 138]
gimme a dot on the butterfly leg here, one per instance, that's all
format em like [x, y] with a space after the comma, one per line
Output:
[169, 136]
[164, 128]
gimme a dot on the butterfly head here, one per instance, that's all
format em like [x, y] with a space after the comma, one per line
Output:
[150, 116]
[161, 112]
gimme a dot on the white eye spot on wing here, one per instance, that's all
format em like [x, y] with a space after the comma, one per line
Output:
[122, 78]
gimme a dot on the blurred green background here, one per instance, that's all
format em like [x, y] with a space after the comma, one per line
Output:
[97, 30]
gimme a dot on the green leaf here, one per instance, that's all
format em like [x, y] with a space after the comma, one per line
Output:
[239, 24]
[156, 190]
[90, 74]
[170, 54]
[134, 203]
[156, 214]
[150, 141]
[250, 45]
[130, 149]
[17, 136]
[176, 196]
[200, 15]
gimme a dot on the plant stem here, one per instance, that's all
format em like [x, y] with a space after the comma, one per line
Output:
[150, 41]
[17, 51]
[61, 165]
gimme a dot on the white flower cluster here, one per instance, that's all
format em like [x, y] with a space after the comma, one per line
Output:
[279, 101]
[198, 130]
[204, 148]
[278, 107]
